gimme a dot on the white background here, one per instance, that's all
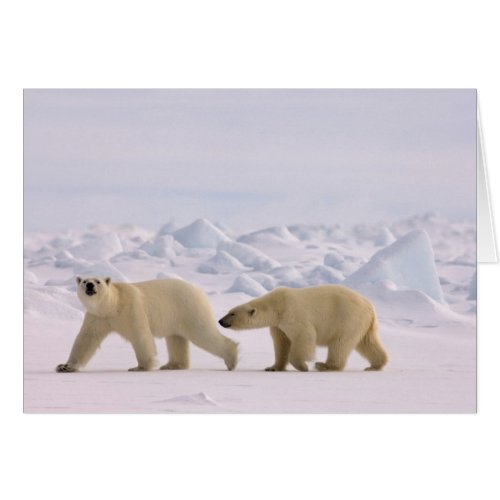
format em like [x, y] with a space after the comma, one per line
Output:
[252, 44]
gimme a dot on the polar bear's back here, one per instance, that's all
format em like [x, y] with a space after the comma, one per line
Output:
[331, 309]
[168, 286]
[328, 296]
[173, 304]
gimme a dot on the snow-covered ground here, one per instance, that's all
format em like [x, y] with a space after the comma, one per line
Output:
[420, 273]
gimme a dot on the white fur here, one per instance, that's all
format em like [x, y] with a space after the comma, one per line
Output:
[302, 318]
[168, 308]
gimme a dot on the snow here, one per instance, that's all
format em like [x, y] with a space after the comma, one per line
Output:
[408, 263]
[384, 237]
[99, 268]
[162, 246]
[52, 302]
[278, 235]
[98, 247]
[167, 228]
[200, 234]
[268, 282]
[249, 256]
[221, 262]
[245, 284]
[323, 274]
[306, 232]
[30, 277]
[333, 259]
[288, 276]
[473, 288]
[423, 286]
[198, 399]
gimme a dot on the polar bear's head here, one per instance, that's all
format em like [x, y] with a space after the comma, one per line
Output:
[257, 313]
[239, 318]
[92, 290]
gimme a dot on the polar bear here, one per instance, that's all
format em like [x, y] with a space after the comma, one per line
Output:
[168, 308]
[302, 318]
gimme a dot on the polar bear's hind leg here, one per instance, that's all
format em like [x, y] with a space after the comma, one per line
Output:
[338, 352]
[178, 353]
[372, 349]
[208, 338]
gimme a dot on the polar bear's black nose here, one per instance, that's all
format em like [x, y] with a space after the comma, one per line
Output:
[224, 322]
[90, 286]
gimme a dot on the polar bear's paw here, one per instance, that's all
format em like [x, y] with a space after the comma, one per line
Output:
[301, 366]
[373, 369]
[323, 367]
[65, 368]
[137, 369]
[173, 366]
[231, 357]
[275, 368]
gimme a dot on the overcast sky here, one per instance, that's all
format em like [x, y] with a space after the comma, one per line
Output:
[246, 158]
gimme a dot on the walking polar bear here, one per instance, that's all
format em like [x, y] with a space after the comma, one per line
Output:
[302, 318]
[169, 308]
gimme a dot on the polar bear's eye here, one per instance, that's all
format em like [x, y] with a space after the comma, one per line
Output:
[98, 282]
[251, 312]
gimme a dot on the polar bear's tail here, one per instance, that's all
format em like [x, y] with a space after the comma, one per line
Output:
[371, 348]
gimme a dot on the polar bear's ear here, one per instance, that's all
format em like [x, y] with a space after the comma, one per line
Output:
[78, 280]
[252, 311]
[107, 280]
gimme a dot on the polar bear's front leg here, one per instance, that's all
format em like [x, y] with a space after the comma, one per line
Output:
[281, 350]
[145, 350]
[92, 333]
[303, 344]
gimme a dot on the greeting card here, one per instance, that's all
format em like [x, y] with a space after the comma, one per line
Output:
[252, 251]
